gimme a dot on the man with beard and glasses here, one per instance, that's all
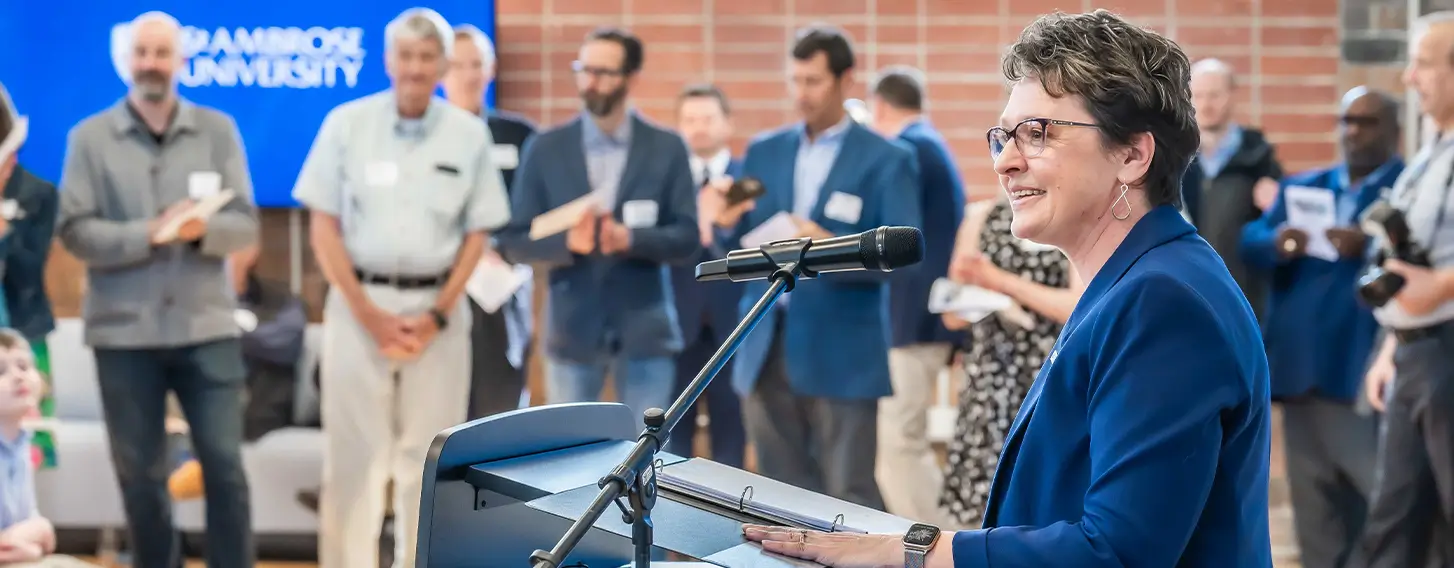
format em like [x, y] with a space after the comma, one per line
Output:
[402, 194]
[158, 313]
[500, 340]
[812, 413]
[1320, 336]
[611, 302]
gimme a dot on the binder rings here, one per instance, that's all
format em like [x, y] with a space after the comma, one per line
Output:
[769, 501]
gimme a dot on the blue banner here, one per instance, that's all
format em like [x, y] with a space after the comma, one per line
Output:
[277, 66]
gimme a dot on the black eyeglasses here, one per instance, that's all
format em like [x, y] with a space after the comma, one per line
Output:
[1029, 135]
[598, 72]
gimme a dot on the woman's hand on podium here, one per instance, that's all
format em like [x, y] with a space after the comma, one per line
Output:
[839, 550]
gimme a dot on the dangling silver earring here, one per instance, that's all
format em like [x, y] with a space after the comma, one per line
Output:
[1122, 199]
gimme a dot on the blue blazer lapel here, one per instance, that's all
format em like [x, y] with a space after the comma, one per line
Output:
[636, 158]
[847, 166]
[573, 161]
[785, 175]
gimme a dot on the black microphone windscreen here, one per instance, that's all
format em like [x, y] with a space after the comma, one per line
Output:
[891, 248]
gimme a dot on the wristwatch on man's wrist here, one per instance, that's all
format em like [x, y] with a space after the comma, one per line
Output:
[917, 543]
[441, 321]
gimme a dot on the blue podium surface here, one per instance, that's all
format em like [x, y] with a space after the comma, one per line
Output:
[498, 488]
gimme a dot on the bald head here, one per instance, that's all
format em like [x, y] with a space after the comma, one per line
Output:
[1211, 94]
[1368, 127]
[156, 40]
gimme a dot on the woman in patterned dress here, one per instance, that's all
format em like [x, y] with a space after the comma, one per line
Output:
[1004, 350]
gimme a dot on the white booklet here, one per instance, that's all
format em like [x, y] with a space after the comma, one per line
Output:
[494, 282]
[561, 219]
[203, 209]
[775, 228]
[948, 296]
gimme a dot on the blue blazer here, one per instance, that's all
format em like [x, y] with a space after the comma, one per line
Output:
[837, 328]
[701, 303]
[605, 305]
[941, 199]
[1319, 335]
[1125, 455]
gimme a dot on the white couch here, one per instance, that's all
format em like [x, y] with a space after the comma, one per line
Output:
[82, 493]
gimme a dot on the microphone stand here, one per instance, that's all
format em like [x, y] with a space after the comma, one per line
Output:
[636, 475]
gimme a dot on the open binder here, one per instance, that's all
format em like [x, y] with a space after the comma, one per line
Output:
[707, 482]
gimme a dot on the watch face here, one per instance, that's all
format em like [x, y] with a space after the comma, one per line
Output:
[921, 535]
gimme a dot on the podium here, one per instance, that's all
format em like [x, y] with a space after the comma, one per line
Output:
[498, 488]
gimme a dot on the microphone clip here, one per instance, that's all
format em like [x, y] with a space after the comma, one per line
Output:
[787, 255]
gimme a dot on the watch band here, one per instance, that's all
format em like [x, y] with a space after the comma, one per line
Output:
[914, 558]
[440, 320]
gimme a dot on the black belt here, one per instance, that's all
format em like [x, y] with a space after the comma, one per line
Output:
[1406, 336]
[401, 281]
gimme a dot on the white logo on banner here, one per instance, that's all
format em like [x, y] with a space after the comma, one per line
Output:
[275, 57]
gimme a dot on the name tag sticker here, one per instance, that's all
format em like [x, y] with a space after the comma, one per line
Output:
[246, 320]
[201, 185]
[382, 174]
[10, 209]
[639, 214]
[505, 156]
[843, 207]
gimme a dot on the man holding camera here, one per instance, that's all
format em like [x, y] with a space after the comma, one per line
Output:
[1411, 515]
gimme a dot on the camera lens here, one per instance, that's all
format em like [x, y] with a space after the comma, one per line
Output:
[1378, 286]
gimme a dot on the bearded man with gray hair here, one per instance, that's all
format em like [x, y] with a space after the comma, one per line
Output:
[158, 314]
[402, 193]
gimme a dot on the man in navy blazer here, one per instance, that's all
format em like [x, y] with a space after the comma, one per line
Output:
[908, 469]
[610, 292]
[708, 310]
[814, 369]
[1320, 336]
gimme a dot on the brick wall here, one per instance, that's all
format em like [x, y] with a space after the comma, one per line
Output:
[1286, 50]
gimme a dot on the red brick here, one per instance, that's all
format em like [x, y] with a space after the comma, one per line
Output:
[944, 35]
[978, 93]
[968, 62]
[687, 62]
[776, 34]
[1241, 64]
[1218, 8]
[562, 86]
[515, 36]
[667, 7]
[750, 7]
[1300, 64]
[755, 90]
[1037, 7]
[1298, 94]
[569, 34]
[659, 33]
[900, 8]
[559, 62]
[519, 7]
[831, 7]
[1316, 152]
[1191, 38]
[514, 89]
[659, 88]
[1321, 36]
[750, 122]
[1300, 123]
[958, 8]
[857, 33]
[755, 61]
[1315, 8]
[890, 33]
[603, 7]
[882, 60]
[520, 61]
[960, 121]
[1134, 8]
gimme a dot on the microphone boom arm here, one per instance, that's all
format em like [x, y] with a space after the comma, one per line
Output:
[635, 477]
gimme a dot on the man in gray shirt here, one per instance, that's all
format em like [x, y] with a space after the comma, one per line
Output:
[159, 313]
[1411, 515]
[402, 193]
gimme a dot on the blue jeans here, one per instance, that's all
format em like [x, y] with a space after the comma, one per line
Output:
[208, 379]
[640, 383]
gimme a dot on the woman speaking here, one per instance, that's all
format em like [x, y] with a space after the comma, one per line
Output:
[1144, 441]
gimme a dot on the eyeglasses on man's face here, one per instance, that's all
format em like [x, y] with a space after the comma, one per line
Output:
[1029, 135]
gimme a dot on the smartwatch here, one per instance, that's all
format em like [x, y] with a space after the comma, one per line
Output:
[440, 320]
[917, 543]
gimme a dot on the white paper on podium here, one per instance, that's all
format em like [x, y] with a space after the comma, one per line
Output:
[775, 228]
[16, 138]
[203, 209]
[494, 282]
[1313, 210]
[948, 296]
[561, 219]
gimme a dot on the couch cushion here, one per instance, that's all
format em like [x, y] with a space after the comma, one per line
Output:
[73, 372]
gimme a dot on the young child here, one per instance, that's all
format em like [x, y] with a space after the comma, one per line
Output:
[26, 538]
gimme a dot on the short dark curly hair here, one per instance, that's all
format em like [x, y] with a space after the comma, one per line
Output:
[1130, 79]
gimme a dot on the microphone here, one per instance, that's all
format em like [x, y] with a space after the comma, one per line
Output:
[881, 250]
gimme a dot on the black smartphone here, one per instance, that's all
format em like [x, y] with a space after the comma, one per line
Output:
[744, 189]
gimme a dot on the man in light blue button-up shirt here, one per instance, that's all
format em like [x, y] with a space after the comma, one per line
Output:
[402, 192]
